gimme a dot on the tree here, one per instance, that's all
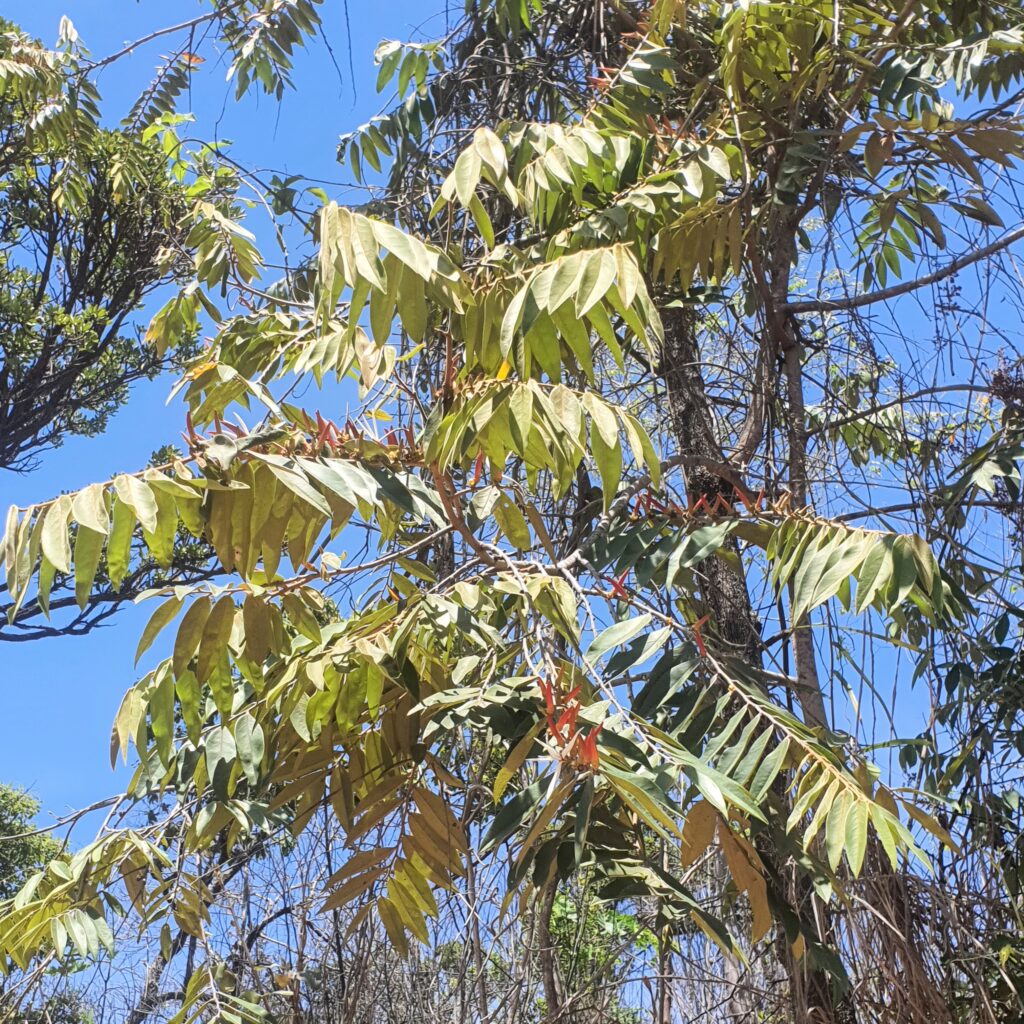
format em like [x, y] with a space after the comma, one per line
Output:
[21, 852]
[89, 219]
[619, 408]
[91, 224]
[24, 849]
[93, 221]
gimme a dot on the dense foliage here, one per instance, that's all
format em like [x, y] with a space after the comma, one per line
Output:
[89, 219]
[21, 852]
[92, 221]
[574, 669]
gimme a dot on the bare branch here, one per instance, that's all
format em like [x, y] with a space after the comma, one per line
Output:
[885, 294]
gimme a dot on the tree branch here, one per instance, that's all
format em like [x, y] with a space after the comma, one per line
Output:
[858, 301]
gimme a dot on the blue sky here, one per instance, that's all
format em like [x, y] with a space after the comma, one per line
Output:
[60, 696]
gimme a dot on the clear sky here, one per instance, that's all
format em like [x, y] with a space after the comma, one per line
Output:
[60, 696]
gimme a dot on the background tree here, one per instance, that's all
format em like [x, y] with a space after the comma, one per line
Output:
[20, 853]
[93, 221]
[23, 851]
[90, 226]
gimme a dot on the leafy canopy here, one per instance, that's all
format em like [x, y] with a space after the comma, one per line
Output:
[513, 313]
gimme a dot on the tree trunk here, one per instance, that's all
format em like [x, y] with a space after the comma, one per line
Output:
[725, 590]
[553, 994]
[728, 599]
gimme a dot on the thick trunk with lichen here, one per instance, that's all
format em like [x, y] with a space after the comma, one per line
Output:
[725, 589]
[725, 592]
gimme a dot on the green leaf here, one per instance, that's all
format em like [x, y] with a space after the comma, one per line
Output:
[520, 406]
[215, 636]
[300, 486]
[512, 523]
[302, 616]
[54, 541]
[874, 573]
[643, 449]
[257, 623]
[190, 700]
[104, 934]
[161, 715]
[847, 556]
[609, 465]
[491, 151]
[515, 761]
[598, 275]
[695, 547]
[157, 621]
[74, 921]
[8, 554]
[119, 545]
[512, 814]
[881, 820]
[89, 508]
[904, 573]
[250, 744]
[59, 935]
[835, 828]
[857, 836]
[139, 498]
[603, 418]
[126, 724]
[414, 254]
[816, 558]
[511, 320]
[925, 561]
[191, 629]
[47, 571]
[645, 798]
[565, 279]
[220, 750]
[88, 549]
[388, 56]
[467, 174]
[583, 809]
[483, 221]
[617, 634]
[160, 541]
[768, 771]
